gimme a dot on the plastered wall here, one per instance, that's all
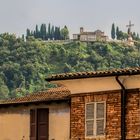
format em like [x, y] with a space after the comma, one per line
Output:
[86, 85]
[15, 122]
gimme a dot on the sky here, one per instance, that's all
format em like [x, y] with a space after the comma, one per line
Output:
[18, 15]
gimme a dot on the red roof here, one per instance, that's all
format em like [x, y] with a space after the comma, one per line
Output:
[54, 94]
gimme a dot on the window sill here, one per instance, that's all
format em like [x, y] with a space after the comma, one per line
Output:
[95, 137]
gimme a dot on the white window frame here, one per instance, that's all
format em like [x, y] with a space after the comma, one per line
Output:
[95, 119]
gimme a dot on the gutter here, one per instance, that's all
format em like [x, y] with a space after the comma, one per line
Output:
[123, 109]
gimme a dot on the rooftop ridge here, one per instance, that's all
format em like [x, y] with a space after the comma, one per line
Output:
[91, 74]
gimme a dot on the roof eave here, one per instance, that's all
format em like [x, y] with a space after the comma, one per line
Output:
[34, 102]
[49, 79]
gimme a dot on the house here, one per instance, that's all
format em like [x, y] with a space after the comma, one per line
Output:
[97, 35]
[39, 116]
[101, 105]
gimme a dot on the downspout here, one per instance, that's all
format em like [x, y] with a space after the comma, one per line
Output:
[123, 109]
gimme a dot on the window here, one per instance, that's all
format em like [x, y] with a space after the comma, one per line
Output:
[95, 119]
[39, 124]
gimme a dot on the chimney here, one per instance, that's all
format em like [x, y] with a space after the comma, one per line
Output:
[81, 30]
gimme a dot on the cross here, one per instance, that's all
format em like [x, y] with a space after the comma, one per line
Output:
[129, 27]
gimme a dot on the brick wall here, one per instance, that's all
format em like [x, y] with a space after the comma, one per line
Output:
[113, 115]
[77, 119]
[133, 115]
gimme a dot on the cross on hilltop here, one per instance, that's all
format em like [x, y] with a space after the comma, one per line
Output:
[129, 27]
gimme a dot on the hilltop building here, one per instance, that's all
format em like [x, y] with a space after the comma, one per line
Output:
[85, 36]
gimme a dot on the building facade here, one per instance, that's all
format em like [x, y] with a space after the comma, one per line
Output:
[97, 35]
[105, 105]
[102, 105]
[36, 117]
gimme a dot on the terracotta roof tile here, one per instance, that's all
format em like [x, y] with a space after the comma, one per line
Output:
[78, 75]
[60, 93]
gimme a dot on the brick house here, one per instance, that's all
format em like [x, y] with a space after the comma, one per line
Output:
[101, 105]
[104, 104]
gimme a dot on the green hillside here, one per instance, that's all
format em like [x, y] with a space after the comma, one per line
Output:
[25, 64]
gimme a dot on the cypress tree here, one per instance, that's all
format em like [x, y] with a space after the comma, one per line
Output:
[117, 32]
[137, 36]
[49, 31]
[113, 31]
[52, 32]
[36, 32]
[134, 36]
[128, 31]
[43, 32]
[57, 33]
[28, 33]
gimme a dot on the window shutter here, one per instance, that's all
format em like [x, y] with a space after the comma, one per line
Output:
[89, 119]
[90, 111]
[100, 110]
[100, 118]
[89, 128]
[100, 127]
[32, 124]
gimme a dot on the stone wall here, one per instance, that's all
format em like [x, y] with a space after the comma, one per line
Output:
[113, 115]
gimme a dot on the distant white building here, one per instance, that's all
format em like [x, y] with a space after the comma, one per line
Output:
[97, 35]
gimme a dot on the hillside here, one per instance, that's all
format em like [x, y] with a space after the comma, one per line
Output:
[25, 64]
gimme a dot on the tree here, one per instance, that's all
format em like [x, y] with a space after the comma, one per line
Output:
[23, 37]
[43, 32]
[49, 31]
[36, 32]
[137, 37]
[57, 35]
[28, 33]
[64, 33]
[4, 91]
[52, 32]
[134, 36]
[120, 35]
[113, 31]
[128, 31]
[117, 32]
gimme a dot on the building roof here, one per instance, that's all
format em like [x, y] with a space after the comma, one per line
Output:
[106, 73]
[54, 94]
[92, 33]
[88, 33]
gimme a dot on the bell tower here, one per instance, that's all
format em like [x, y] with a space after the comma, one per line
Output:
[81, 30]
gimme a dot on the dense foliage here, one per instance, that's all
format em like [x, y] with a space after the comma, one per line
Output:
[25, 64]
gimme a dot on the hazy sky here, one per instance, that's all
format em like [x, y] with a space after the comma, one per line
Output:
[18, 15]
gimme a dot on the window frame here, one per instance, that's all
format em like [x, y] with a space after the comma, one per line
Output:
[95, 119]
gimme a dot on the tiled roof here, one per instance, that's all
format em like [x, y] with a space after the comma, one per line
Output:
[92, 33]
[54, 94]
[79, 75]
[88, 33]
